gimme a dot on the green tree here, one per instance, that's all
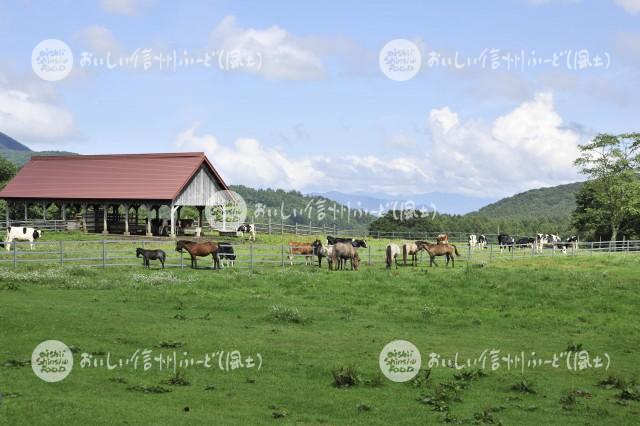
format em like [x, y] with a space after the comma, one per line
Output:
[7, 171]
[612, 196]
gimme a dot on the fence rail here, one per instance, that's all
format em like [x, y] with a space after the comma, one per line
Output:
[107, 253]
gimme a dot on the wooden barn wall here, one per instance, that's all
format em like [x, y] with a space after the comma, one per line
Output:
[200, 190]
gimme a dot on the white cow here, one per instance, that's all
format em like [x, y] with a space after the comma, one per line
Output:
[473, 240]
[20, 233]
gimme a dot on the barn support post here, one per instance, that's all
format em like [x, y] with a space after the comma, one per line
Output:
[7, 215]
[126, 220]
[44, 211]
[172, 218]
[147, 207]
[83, 208]
[105, 212]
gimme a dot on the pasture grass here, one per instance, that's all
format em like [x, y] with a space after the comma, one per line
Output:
[320, 334]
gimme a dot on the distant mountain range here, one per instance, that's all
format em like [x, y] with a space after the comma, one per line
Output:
[9, 143]
[441, 202]
[556, 202]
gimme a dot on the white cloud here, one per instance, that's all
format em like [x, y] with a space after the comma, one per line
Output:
[31, 120]
[125, 7]
[283, 55]
[630, 6]
[526, 148]
[100, 40]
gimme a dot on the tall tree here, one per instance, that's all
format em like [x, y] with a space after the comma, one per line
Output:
[612, 197]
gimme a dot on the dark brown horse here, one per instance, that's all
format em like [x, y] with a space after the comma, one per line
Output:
[440, 249]
[199, 250]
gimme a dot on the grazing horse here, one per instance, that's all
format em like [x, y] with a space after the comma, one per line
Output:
[249, 228]
[342, 252]
[434, 250]
[199, 250]
[327, 252]
[412, 250]
[392, 253]
[151, 255]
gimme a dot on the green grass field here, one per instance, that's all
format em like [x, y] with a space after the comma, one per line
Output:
[307, 323]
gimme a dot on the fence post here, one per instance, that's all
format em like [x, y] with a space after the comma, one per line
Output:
[181, 259]
[15, 254]
[61, 254]
[269, 225]
[513, 251]
[310, 229]
[282, 256]
[104, 254]
[282, 226]
[369, 246]
[251, 257]
[490, 252]
[296, 228]
[324, 228]
[334, 229]
[469, 256]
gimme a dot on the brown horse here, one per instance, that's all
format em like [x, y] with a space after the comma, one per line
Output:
[439, 249]
[199, 250]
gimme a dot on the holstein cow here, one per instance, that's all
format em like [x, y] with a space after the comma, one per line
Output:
[473, 240]
[573, 240]
[482, 241]
[356, 243]
[392, 253]
[342, 252]
[248, 228]
[442, 239]
[226, 254]
[526, 242]
[308, 250]
[20, 233]
[505, 241]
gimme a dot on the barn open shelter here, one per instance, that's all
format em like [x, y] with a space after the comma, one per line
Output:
[109, 190]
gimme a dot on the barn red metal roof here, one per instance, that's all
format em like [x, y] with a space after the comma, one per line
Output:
[107, 177]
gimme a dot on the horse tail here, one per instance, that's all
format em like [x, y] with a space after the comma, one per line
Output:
[456, 249]
[389, 256]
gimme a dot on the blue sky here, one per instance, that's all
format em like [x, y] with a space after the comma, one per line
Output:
[319, 114]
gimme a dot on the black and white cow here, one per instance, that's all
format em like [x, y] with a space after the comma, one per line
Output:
[482, 241]
[473, 240]
[526, 242]
[248, 228]
[505, 241]
[226, 254]
[573, 240]
[20, 233]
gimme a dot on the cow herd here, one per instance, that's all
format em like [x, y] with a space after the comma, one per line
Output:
[537, 243]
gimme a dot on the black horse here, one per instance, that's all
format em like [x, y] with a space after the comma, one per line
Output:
[151, 255]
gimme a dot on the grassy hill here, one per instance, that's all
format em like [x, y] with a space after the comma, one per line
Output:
[554, 202]
[20, 158]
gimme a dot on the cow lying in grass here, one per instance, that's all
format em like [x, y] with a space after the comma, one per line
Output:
[20, 233]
